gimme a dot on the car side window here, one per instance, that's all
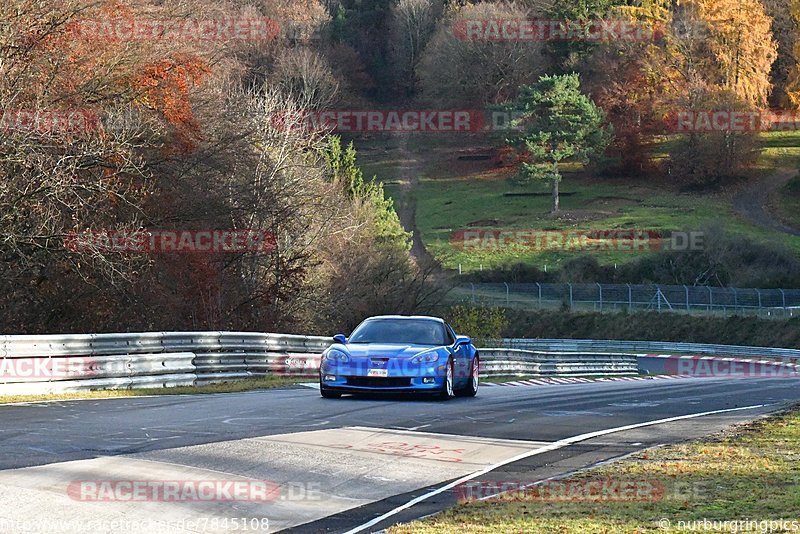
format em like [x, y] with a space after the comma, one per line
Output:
[451, 337]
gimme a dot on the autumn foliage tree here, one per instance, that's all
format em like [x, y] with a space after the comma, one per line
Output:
[702, 53]
[181, 136]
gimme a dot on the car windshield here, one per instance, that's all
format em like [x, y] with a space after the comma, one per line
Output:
[414, 331]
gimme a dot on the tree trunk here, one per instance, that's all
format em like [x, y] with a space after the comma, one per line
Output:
[555, 197]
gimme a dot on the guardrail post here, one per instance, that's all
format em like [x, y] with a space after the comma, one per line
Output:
[601, 295]
[506, 293]
[540, 293]
[710, 298]
[759, 298]
[783, 295]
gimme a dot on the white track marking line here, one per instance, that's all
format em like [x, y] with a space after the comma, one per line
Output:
[547, 448]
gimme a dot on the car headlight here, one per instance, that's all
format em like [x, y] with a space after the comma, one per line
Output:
[428, 357]
[335, 356]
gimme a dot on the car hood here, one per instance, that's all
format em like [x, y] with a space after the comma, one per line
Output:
[383, 350]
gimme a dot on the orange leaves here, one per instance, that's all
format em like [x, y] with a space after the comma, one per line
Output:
[165, 87]
[66, 56]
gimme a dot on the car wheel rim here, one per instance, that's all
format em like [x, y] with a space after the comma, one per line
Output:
[475, 370]
[449, 380]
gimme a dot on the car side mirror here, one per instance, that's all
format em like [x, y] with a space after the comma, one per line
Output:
[463, 340]
[339, 338]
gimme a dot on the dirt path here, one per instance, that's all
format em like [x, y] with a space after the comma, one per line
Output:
[753, 201]
[410, 168]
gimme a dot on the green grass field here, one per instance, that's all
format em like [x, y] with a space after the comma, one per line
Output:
[788, 204]
[454, 195]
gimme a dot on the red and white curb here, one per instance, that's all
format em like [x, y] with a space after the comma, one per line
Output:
[579, 380]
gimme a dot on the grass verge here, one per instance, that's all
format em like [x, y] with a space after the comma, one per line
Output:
[749, 473]
[267, 382]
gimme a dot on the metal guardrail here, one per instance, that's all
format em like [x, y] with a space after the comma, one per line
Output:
[59, 363]
[648, 347]
[33, 364]
[31, 375]
[507, 362]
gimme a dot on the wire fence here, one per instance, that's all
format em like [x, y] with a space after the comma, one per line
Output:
[777, 303]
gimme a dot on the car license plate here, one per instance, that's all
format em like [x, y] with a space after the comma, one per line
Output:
[378, 372]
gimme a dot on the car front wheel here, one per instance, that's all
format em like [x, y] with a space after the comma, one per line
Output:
[447, 389]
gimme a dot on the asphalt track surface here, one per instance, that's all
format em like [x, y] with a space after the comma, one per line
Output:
[342, 463]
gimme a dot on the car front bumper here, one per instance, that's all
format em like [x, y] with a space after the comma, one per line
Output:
[354, 384]
[400, 375]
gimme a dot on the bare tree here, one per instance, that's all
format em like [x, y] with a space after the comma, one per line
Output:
[413, 23]
[305, 76]
[455, 69]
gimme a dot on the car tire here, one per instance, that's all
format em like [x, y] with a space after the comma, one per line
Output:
[471, 389]
[447, 392]
[328, 394]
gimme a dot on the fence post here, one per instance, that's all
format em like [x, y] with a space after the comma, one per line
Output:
[571, 304]
[506, 294]
[540, 293]
[630, 298]
[688, 307]
[601, 295]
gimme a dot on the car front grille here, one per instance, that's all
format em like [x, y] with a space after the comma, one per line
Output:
[378, 382]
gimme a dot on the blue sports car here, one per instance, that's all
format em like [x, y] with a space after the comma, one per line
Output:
[400, 354]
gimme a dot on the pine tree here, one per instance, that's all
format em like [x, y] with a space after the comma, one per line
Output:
[558, 123]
